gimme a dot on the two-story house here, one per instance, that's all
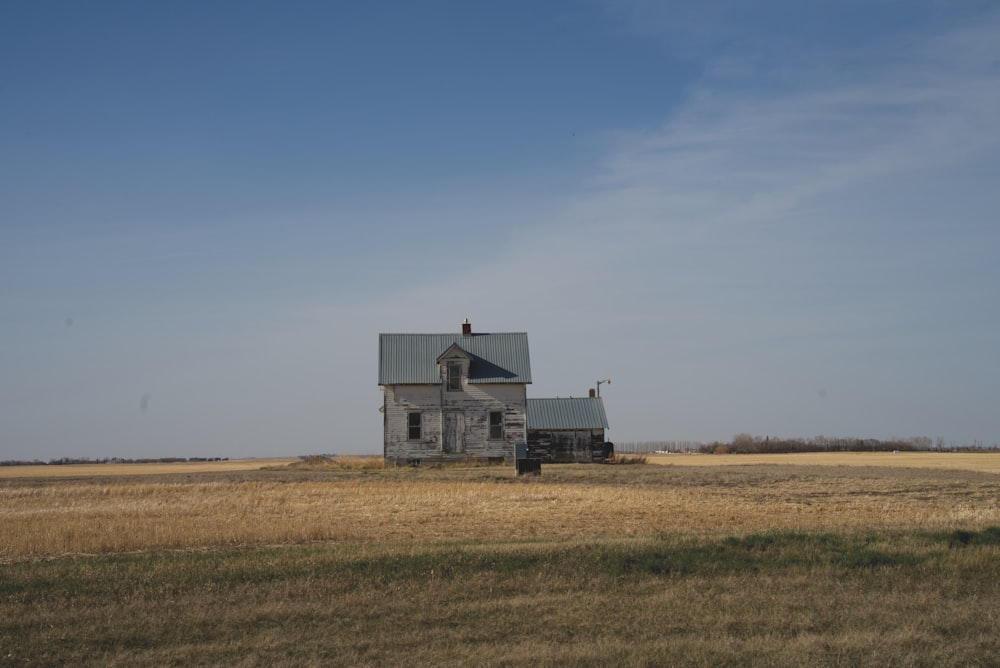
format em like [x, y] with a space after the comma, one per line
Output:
[453, 396]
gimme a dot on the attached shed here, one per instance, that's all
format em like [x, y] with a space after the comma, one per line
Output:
[451, 397]
[568, 430]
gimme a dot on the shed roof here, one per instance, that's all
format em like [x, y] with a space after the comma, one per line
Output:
[571, 413]
[412, 358]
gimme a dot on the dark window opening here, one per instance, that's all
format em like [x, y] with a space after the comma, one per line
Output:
[496, 424]
[413, 426]
[454, 376]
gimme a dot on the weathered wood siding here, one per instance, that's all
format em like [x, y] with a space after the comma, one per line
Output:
[566, 445]
[454, 425]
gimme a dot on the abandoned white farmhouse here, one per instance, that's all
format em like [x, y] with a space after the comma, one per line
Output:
[464, 396]
[453, 396]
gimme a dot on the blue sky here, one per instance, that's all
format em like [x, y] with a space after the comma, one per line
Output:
[776, 218]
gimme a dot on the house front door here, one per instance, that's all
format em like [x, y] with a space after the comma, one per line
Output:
[453, 438]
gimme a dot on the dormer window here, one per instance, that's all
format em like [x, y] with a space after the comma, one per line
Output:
[454, 376]
[454, 366]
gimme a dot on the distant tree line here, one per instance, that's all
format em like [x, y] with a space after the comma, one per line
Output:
[748, 444]
[743, 444]
[109, 460]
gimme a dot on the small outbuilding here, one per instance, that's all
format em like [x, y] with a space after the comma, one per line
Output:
[568, 430]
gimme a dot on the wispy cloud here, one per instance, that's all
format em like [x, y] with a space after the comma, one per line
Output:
[738, 173]
[790, 231]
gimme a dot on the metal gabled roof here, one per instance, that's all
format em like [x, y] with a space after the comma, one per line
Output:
[412, 358]
[571, 413]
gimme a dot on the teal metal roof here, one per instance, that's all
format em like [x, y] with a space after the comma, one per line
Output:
[573, 413]
[412, 358]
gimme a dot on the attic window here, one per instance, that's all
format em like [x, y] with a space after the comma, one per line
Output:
[454, 376]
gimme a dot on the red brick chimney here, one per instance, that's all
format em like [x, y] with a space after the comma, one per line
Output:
[466, 327]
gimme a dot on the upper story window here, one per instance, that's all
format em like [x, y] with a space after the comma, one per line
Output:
[454, 376]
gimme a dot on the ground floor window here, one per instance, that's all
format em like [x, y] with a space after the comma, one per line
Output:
[496, 425]
[413, 426]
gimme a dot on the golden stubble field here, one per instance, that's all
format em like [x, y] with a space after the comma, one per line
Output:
[986, 462]
[106, 510]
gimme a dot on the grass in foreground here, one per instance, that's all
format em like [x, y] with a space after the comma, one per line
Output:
[776, 598]
[586, 565]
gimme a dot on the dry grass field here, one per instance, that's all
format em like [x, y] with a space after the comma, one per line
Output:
[104, 470]
[701, 560]
[986, 462]
[104, 510]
